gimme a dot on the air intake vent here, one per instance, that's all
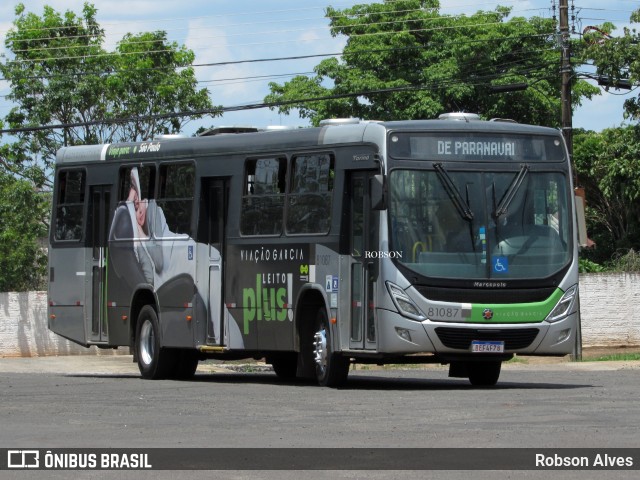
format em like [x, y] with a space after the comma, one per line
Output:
[460, 116]
[227, 130]
[169, 136]
[339, 121]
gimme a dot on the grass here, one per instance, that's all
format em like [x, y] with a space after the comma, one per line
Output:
[616, 357]
[517, 359]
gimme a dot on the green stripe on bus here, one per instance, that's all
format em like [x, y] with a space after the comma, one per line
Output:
[514, 313]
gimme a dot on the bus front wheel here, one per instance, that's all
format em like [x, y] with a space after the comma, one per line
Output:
[484, 374]
[332, 368]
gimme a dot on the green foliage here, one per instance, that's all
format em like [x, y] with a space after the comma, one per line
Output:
[625, 261]
[587, 266]
[147, 82]
[409, 62]
[608, 167]
[617, 59]
[23, 214]
[56, 59]
[616, 357]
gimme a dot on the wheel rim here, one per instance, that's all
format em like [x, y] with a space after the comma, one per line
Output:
[147, 343]
[320, 354]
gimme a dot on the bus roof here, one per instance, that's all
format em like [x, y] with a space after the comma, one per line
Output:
[278, 140]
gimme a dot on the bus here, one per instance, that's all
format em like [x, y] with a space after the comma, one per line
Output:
[451, 241]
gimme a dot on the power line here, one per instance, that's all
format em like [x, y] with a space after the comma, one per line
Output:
[253, 106]
[291, 74]
[280, 13]
[323, 55]
[275, 59]
[208, 27]
[257, 32]
[262, 43]
[250, 24]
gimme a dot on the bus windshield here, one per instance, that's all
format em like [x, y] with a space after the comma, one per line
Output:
[462, 224]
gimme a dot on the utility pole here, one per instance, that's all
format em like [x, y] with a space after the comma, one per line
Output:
[566, 72]
[567, 122]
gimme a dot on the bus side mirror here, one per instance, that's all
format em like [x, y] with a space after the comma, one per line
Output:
[376, 189]
[582, 223]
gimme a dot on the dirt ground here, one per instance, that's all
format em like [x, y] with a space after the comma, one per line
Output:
[588, 353]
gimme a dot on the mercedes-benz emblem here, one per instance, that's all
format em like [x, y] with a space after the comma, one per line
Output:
[487, 314]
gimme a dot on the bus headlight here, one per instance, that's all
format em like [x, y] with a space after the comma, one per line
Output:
[564, 306]
[403, 303]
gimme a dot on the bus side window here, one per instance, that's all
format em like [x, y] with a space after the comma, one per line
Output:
[263, 199]
[309, 199]
[70, 205]
[141, 179]
[175, 199]
[135, 187]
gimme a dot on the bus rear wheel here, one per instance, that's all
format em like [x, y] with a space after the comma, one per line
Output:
[184, 363]
[153, 361]
[284, 364]
[484, 374]
[332, 368]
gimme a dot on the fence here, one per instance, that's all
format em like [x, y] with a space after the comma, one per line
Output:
[610, 309]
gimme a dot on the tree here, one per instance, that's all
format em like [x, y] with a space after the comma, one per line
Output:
[403, 60]
[23, 222]
[147, 81]
[53, 80]
[616, 60]
[60, 74]
[608, 166]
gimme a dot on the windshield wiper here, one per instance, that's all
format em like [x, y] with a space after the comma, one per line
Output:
[454, 194]
[514, 186]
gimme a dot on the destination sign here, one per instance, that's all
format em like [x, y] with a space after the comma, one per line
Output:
[446, 146]
[482, 149]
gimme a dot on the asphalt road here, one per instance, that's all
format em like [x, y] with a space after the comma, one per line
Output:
[101, 402]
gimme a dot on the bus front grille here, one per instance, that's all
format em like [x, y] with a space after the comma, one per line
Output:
[485, 295]
[461, 338]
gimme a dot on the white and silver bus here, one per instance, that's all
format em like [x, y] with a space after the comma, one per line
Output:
[440, 241]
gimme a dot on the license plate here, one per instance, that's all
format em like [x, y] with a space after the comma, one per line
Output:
[478, 346]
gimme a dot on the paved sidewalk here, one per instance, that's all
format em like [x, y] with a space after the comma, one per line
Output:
[123, 365]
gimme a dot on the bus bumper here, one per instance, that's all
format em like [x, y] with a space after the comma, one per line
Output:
[541, 338]
[400, 335]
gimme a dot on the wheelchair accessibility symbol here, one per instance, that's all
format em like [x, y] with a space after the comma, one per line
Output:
[500, 264]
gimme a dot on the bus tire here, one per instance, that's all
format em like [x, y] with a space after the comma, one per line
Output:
[153, 361]
[484, 374]
[184, 363]
[332, 368]
[285, 364]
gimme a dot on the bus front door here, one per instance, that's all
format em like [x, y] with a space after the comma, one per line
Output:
[363, 265]
[215, 206]
[96, 286]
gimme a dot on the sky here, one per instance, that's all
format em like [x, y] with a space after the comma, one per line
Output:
[222, 31]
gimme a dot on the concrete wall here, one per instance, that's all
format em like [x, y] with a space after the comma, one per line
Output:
[24, 332]
[610, 307]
